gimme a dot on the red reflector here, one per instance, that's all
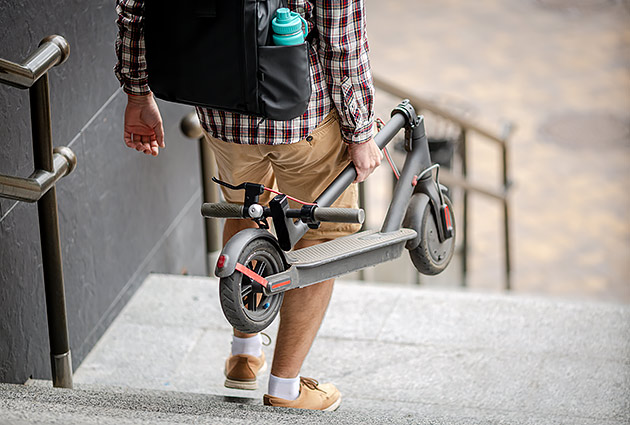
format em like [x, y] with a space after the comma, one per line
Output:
[221, 261]
[447, 213]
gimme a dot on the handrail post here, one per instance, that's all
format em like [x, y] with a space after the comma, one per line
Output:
[464, 226]
[506, 208]
[61, 360]
[33, 74]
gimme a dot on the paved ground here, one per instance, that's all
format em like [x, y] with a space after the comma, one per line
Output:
[560, 70]
[37, 402]
[407, 352]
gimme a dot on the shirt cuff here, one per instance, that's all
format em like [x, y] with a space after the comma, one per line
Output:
[360, 134]
[141, 89]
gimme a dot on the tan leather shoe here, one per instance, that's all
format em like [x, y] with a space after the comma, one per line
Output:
[242, 370]
[312, 396]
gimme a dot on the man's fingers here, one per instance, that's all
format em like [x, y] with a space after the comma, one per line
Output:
[362, 173]
[142, 142]
[366, 158]
[146, 147]
[154, 147]
[128, 139]
[136, 143]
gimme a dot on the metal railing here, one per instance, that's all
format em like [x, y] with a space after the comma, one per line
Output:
[467, 127]
[191, 128]
[50, 165]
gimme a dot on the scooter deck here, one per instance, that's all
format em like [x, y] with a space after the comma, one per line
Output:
[338, 257]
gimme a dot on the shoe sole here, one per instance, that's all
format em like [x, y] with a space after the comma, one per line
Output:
[244, 385]
[330, 408]
[333, 406]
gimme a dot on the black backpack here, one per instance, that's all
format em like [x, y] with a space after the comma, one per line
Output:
[219, 54]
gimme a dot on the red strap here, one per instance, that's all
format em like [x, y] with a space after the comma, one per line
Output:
[280, 284]
[290, 197]
[251, 274]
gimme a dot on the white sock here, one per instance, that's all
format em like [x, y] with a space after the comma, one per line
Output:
[251, 346]
[286, 388]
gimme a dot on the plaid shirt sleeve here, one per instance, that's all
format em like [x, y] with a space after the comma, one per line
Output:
[131, 68]
[343, 52]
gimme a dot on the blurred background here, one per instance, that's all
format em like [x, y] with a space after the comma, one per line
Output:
[559, 71]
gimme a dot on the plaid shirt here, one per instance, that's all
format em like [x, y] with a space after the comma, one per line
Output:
[339, 65]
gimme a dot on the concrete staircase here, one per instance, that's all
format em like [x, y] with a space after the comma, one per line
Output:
[38, 402]
[398, 354]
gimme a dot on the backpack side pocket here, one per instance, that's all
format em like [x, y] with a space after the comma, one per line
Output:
[284, 88]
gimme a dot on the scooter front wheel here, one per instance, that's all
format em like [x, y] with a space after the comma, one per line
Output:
[431, 256]
[243, 301]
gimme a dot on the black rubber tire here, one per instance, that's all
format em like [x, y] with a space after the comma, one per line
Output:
[236, 291]
[432, 256]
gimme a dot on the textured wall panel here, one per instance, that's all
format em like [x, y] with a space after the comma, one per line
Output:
[122, 214]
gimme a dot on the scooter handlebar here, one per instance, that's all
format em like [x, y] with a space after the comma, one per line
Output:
[222, 210]
[339, 215]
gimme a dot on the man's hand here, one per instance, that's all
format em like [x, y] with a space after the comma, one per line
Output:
[366, 157]
[143, 125]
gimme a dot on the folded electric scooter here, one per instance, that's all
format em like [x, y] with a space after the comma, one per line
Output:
[256, 268]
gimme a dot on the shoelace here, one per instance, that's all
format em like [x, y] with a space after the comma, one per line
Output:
[310, 383]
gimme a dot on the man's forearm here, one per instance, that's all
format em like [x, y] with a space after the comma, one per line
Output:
[343, 52]
[131, 66]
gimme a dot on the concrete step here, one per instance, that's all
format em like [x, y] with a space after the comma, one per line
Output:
[37, 402]
[398, 355]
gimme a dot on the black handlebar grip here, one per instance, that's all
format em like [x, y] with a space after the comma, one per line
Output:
[339, 215]
[222, 210]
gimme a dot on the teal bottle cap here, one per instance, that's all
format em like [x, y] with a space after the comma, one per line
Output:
[286, 22]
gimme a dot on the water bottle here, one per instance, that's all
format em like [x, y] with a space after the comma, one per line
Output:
[287, 28]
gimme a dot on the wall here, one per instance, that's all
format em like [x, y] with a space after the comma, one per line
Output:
[122, 214]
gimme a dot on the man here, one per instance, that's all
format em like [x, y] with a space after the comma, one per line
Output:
[302, 156]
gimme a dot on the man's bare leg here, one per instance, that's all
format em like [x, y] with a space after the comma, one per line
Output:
[301, 315]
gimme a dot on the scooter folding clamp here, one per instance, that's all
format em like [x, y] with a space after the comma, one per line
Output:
[406, 108]
[415, 123]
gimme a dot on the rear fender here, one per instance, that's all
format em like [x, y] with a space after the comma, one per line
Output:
[232, 250]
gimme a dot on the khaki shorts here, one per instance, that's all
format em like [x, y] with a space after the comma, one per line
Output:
[302, 170]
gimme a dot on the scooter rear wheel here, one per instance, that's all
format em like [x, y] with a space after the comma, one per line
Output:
[431, 256]
[243, 301]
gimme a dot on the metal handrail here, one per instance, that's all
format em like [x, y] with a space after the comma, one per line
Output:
[428, 105]
[50, 166]
[31, 189]
[467, 126]
[53, 50]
